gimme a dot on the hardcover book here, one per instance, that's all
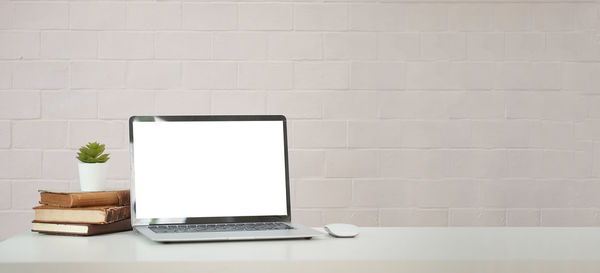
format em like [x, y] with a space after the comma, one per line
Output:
[80, 229]
[88, 215]
[85, 199]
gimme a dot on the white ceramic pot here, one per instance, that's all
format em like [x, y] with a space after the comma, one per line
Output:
[92, 176]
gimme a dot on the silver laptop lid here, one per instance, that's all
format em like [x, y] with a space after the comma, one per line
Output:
[208, 169]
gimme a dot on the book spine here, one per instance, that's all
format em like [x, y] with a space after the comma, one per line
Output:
[116, 214]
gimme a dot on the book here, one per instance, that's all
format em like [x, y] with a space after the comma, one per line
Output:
[84, 215]
[85, 199]
[80, 229]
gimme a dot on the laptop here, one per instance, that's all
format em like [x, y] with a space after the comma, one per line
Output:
[211, 178]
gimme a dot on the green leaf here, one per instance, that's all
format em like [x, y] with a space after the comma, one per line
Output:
[100, 149]
[103, 158]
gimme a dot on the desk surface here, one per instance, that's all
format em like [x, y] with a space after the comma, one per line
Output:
[425, 249]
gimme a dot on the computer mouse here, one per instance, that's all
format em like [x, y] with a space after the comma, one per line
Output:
[342, 230]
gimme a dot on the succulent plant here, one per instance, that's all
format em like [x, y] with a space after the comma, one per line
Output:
[92, 153]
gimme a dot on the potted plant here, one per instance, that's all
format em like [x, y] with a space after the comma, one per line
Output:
[93, 168]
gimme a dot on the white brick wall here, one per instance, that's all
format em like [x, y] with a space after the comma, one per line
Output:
[401, 113]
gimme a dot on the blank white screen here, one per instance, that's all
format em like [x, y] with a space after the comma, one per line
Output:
[209, 169]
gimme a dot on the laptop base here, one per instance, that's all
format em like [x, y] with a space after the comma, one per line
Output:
[298, 232]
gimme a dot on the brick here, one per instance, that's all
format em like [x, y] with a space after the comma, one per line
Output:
[351, 163]
[6, 14]
[183, 45]
[69, 45]
[476, 163]
[369, 75]
[349, 46]
[525, 163]
[446, 194]
[378, 17]
[543, 105]
[119, 165]
[5, 75]
[307, 164]
[110, 133]
[125, 45]
[581, 77]
[525, 45]
[586, 15]
[579, 46]
[20, 164]
[471, 17]
[485, 46]
[443, 46]
[182, 103]
[59, 165]
[311, 218]
[383, 193]
[265, 16]
[444, 76]
[265, 75]
[502, 134]
[164, 16]
[398, 46]
[513, 17]
[554, 17]
[582, 193]
[524, 193]
[375, 134]
[40, 15]
[320, 17]
[319, 134]
[523, 217]
[413, 217]
[427, 17]
[323, 193]
[588, 129]
[40, 75]
[210, 16]
[426, 134]
[69, 105]
[39, 134]
[240, 46]
[238, 103]
[312, 75]
[122, 104]
[412, 164]
[25, 193]
[98, 74]
[21, 222]
[19, 45]
[359, 217]
[592, 111]
[415, 104]
[569, 217]
[19, 105]
[5, 134]
[210, 75]
[98, 15]
[154, 75]
[554, 135]
[355, 105]
[295, 104]
[5, 195]
[294, 46]
[478, 105]
[476, 217]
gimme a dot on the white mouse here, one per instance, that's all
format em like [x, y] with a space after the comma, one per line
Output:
[342, 230]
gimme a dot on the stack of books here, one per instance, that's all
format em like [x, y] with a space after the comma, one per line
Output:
[82, 213]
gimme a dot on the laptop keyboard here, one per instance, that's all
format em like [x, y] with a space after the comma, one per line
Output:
[218, 227]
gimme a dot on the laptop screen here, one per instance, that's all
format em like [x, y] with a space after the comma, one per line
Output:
[209, 168]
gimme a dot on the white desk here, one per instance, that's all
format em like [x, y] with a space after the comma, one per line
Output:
[416, 249]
